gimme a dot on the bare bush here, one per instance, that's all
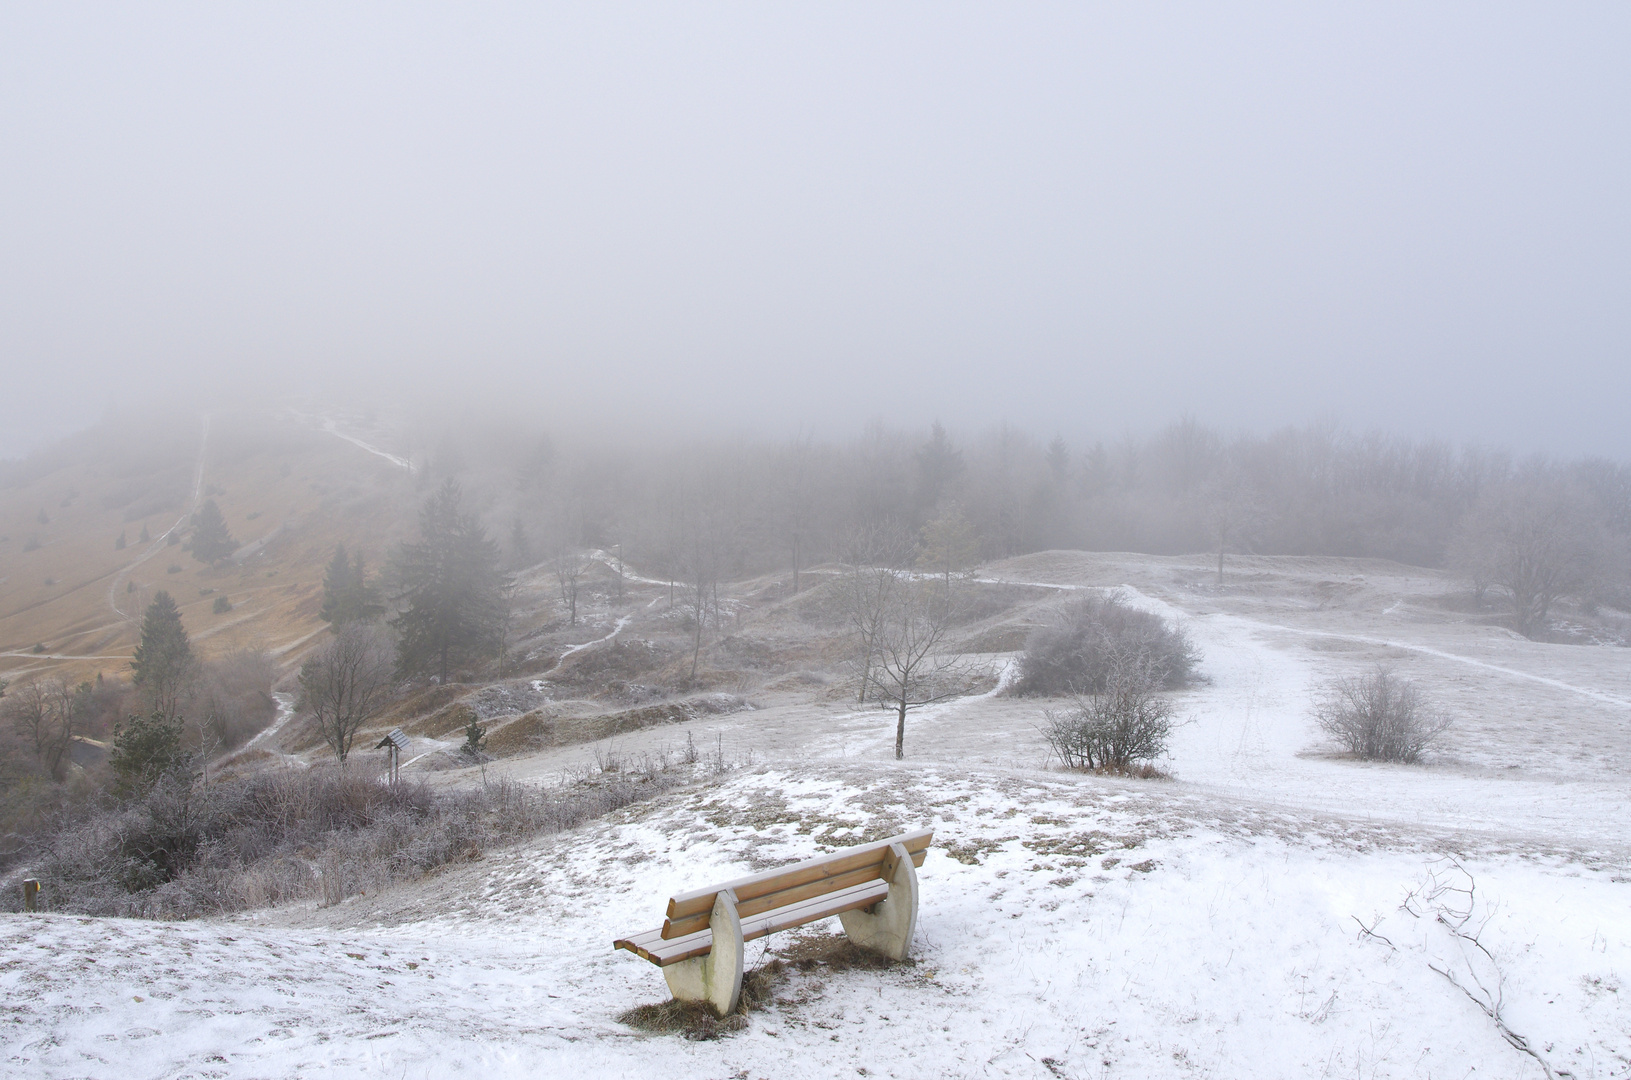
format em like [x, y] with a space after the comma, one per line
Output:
[1379, 716]
[186, 850]
[1112, 730]
[1080, 650]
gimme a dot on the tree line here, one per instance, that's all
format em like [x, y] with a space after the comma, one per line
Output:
[711, 511]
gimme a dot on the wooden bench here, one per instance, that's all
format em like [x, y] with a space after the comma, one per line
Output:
[871, 888]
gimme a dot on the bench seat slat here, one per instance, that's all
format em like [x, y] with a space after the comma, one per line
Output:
[650, 945]
[797, 893]
[701, 901]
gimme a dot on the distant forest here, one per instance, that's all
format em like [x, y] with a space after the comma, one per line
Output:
[754, 506]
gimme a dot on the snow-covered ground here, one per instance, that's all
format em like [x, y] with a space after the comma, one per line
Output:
[1272, 911]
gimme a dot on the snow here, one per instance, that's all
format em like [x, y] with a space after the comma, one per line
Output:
[1270, 911]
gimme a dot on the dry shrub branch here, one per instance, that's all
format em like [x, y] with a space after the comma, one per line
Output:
[1379, 716]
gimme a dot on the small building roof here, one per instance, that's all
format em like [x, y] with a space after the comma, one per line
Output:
[396, 738]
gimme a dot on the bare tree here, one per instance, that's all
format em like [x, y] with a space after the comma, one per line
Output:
[868, 584]
[911, 667]
[1232, 513]
[347, 681]
[43, 712]
[570, 566]
[867, 592]
[703, 571]
[1538, 540]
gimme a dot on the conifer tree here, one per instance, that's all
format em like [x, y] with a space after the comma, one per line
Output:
[348, 595]
[162, 666]
[211, 540]
[453, 593]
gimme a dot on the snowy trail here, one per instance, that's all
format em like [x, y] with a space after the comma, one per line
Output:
[285, 710]
[618, 629]
[1394, 643]
[332, 427]
[610, 560]
[1170, 611]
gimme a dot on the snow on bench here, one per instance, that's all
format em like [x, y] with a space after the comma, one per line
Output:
[871, 888]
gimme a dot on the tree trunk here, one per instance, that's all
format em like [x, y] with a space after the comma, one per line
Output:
[795, 564]
[1220, 564]
[900, 730]
[866, 669]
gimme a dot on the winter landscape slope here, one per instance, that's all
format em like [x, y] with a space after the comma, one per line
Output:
[1272, 910]
[290, 486]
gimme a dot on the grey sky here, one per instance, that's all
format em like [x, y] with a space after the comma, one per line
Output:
[1075, 219]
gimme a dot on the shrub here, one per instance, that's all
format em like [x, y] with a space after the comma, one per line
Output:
[1379, 716]
[1127, 722]
[1076, 653]
[147, 751]
[221, 606]
[183, 849]
[475, 737]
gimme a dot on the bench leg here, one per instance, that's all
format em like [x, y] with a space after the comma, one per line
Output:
[717, 977]
[887, 926]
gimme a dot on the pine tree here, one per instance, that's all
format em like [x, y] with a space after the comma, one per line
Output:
[452, 589]
[146, 536]
[147, 750]
[336, 586]
[348, 595]
[211, 540]
[119, 544]
[162, 665]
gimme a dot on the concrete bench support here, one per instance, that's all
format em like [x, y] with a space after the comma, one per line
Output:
[717, 977]
[886, 927]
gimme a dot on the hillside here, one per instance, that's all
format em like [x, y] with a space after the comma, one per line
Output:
[71, 598]
[1273, 909]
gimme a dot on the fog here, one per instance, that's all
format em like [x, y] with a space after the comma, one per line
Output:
[1082, 220]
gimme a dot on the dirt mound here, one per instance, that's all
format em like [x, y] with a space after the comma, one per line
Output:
[539, 729]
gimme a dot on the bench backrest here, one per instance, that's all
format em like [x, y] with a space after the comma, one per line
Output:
[688, 912]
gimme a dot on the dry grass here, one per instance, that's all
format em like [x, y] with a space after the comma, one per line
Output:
[804, 956]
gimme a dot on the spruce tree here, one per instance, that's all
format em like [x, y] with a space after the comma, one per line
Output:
[452, 589]
[211, 540]
[348, 595]
[336, 586]
[162, 665]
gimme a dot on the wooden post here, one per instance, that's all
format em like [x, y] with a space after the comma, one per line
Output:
[31, 893]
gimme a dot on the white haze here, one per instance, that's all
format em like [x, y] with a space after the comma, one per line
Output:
[1072, 218]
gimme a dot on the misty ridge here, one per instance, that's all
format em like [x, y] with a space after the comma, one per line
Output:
[1522, 533]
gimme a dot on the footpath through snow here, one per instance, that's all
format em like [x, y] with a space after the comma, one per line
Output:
[1067, 929]
[1273, 911]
